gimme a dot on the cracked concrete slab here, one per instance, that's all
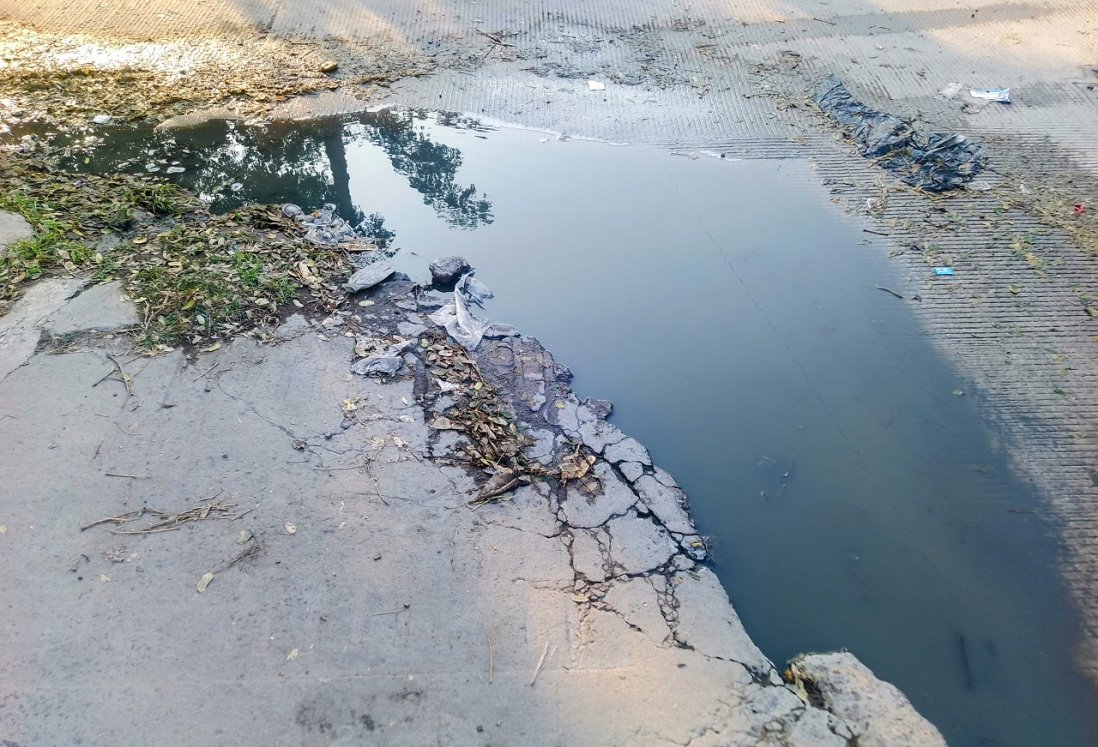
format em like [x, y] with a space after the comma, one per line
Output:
[631, 470]
[360, 563]
[668, 504]
[101, 307]
[20, 327]
[13, 227]
[709, 625]
[627, 450]
[636, 601]
[587, 554]
[638, 545]
[585, 510]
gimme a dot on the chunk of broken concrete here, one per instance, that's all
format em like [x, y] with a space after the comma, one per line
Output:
[627, 450]
[631, 470]
[368, 277]
[448, 269]
[668, 504]
[878, 712]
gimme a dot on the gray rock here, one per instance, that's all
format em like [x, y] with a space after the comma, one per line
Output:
[878, 713]
[101, 307]
[368, 277]
[448, 269]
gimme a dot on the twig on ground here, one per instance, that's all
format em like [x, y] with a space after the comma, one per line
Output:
[168, 522]
[211, 368]
[491, 659]
[495, 38]
[246, 554]
[889, 290]
[541, 663]
[487, 496]
[392, 612]
[127, 380]
[123, 474]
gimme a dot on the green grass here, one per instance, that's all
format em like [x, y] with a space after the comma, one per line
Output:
[196, 277]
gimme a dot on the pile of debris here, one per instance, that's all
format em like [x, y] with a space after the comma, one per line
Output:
[936, 163]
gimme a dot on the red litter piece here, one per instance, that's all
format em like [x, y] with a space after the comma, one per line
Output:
[1080, 209]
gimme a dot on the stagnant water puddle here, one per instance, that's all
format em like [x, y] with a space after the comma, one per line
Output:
[729, 309]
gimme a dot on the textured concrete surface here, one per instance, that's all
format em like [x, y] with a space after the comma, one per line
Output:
[731, 76]
[13, 228]
[349, 593]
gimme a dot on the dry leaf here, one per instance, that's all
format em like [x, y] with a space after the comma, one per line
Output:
[291, 529]
[293, 654]
[203, 582]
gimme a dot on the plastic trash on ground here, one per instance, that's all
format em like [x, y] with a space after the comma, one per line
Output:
[1002, 95]
[477, 291]
[943, 271]
[324, 227]
[368, 277]
[385, 362]
[465, 329]
[936, 162]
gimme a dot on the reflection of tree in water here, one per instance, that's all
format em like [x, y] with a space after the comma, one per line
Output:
[431, 168]
[305, 163]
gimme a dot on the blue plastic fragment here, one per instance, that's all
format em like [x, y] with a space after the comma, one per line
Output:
[943, 270]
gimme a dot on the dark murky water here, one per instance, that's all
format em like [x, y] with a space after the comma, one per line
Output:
[729, 311]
